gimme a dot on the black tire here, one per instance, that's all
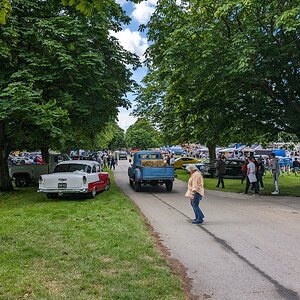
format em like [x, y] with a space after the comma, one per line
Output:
[107, 187]
[214, 174]
[169, 185]
[130, 182]
[22, 181]
[137, 186]
[93, 193]
[51, 195]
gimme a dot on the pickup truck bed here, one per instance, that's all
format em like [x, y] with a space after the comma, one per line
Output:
[157, 173]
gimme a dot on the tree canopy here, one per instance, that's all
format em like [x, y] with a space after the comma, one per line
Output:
[223, 71]
[62, 77]
[142, 135]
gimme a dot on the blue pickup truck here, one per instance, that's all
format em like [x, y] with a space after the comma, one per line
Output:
[148, 168]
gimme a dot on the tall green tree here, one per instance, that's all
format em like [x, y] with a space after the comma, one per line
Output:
[142, 135]
[62, 77]
[223, 70]
[112, 137]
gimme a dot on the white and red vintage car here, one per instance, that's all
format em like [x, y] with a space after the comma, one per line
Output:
[73, 177]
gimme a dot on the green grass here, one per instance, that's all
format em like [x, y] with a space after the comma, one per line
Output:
[79, 249]
[288, 185]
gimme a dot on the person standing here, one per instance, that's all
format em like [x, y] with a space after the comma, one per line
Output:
[172, 160]
[275, 168]
[251, 177]
[195, 192]
[220, 171]
[295, 166]
[260, 173]
[244, 170]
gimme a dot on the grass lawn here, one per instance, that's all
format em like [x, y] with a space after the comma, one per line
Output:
[288, 185]
[79, 249]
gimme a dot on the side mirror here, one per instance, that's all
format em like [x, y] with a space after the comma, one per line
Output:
[129, 160]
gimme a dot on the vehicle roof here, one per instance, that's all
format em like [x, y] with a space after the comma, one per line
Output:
[79, 162]
[148, 152]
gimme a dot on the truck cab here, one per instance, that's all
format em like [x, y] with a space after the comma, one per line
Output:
[25, 174]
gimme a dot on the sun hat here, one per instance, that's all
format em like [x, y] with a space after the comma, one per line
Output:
[191, 167]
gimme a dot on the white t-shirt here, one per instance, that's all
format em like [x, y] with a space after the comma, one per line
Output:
[251, 172]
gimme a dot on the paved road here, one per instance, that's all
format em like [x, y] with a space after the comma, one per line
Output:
[248, 247]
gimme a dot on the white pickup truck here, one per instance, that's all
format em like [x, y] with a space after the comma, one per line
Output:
[25, 174]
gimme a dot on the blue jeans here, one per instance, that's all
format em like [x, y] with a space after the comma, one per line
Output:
[195, 204]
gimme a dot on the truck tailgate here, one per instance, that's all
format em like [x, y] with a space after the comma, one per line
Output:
[157, 173]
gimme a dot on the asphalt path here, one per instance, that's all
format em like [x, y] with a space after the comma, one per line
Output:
[247, 248]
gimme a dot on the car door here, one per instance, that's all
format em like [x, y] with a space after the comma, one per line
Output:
[232, 168]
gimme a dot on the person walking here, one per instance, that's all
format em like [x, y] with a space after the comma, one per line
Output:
[220, 171]
[251, 177]
[195, 192]
[112, 163]
[275, 168]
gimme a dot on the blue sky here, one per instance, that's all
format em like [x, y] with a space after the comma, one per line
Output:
[134, 41]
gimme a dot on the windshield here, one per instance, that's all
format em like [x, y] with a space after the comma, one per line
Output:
[72, 168]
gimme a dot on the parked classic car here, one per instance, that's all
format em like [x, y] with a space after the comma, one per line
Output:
[73, 177]
[233, 168]
[185, 160]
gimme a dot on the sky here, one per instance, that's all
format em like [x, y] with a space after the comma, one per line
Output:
[136, 42]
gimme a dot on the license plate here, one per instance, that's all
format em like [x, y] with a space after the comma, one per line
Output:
[62, 185]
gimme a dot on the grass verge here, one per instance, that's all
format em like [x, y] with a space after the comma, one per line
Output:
[288, 185]
[76, 248]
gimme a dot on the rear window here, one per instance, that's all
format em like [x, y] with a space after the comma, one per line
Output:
[149, 156]
[72, 168]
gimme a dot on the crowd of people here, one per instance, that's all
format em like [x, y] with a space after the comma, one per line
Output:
[253, 171]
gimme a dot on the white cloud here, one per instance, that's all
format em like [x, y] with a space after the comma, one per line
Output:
[143, 11]
[125, 120]
[131, 41]
[121, 2]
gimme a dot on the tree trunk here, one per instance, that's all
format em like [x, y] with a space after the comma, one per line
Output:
[5, 182]
[212, 152]
[45, 154]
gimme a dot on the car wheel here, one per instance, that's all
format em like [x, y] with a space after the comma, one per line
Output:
[22, 181]
[169, 185]
[214, 174]
[93, 193]
[137, 186]
[107, 187]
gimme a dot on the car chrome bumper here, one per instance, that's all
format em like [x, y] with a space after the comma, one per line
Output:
[64, 191]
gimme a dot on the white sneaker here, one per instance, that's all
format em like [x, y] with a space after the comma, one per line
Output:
[275, 193]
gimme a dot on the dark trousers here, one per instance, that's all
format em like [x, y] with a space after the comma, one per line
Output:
[220, 180]
[244, 176]
[260, 180]
[254, 186]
